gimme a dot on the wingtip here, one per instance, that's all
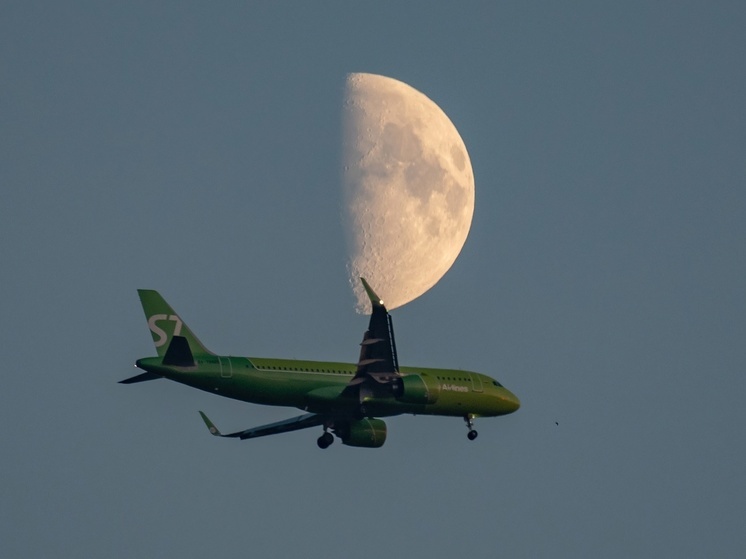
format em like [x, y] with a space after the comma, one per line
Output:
[375, 299]
[210, 425]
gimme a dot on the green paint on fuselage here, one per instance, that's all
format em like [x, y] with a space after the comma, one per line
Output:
[316, 385]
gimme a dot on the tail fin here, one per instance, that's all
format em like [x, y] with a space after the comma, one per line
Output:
[164, 324]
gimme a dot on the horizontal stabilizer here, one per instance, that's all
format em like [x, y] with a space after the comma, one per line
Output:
[178, 353]
[140, 378]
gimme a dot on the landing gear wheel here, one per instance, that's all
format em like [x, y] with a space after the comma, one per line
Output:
[469, 418]
[325, 440]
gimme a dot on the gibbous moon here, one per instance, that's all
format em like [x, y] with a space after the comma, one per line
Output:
[408, 189]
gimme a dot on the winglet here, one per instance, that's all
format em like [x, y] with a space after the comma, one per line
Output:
[210, 425]
[375, 299]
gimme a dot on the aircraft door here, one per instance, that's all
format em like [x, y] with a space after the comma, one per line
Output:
[226, 367]
[476, 382]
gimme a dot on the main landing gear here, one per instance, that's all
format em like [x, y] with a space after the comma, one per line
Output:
[469, 418]
[325, 440]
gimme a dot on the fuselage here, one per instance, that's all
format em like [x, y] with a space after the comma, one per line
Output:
[316, 386]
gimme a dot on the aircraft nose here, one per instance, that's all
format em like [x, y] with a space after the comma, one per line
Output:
[509, 401]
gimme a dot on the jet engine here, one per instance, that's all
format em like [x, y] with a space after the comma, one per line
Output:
[416, 389]
[370, 433]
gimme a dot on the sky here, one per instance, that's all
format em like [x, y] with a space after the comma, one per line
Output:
[194, 148]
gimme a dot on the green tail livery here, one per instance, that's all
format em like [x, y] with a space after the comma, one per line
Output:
[344, 399]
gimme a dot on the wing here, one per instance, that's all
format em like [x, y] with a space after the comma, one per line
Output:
[293, 424]
[377, 367]
[378, 363]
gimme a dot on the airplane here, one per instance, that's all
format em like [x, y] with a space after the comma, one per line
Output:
[346, 399]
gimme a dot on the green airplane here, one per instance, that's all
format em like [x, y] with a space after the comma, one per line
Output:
[342, 398]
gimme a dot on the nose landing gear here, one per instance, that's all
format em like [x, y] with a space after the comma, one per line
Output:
[469, 418]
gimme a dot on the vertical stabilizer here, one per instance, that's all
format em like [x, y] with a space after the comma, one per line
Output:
[164, 324]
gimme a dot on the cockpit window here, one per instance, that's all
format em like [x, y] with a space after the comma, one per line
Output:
[497, 384]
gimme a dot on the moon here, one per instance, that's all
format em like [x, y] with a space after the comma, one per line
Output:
[408, 189]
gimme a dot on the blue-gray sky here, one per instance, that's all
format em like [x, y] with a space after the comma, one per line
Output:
[194, 148]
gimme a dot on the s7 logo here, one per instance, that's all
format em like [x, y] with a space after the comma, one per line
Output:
[158, 331]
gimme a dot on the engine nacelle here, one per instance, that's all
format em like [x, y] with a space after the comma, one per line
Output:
[369, 433]
[416, 389]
